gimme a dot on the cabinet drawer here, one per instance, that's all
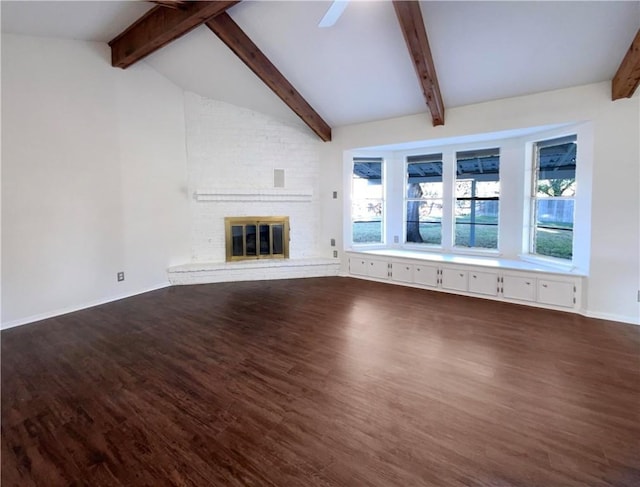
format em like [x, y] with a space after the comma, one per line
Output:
[454, 279]
[518, 287]
[426, 275]
[402, 272]
[483, 283]
[556, 293]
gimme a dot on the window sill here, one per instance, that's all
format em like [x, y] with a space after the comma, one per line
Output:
[550, 262]
[437, 249]
[476, 251]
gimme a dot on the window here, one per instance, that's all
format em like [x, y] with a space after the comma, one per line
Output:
[477, 196]
[514, 196]
[423, 199]
[367, 200]
[553, 197]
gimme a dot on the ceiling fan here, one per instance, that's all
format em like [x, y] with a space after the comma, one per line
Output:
[333, 13]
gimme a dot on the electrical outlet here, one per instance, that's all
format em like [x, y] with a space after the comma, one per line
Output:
[120, 276]
[396, 239]
[333, 242]
[335, 195]
[638, 296]
[335, 254]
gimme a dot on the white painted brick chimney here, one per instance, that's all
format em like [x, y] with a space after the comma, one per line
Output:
[235, 148]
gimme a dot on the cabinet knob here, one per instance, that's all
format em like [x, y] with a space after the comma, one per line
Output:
[544, 285]
[527, 283]
[461, 274]
[474, 276]
[407, 268]
[372, 264]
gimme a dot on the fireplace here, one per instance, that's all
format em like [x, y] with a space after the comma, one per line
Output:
[256, 237]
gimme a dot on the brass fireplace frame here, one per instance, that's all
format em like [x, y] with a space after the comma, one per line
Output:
[258, 222]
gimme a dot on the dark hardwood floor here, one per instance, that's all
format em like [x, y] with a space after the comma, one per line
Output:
[319, 382]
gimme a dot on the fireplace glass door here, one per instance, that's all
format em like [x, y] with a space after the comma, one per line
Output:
[257, 238]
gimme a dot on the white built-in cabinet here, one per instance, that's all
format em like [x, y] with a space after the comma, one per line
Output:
[454, 279]
[375, 268]
[519, 287]
[426, 275]
[483, 282]
[402, 272]
[538, 288]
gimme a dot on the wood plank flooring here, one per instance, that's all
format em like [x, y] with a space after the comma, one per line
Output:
[319, 382]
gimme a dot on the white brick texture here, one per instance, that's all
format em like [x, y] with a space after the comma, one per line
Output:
[234, 148]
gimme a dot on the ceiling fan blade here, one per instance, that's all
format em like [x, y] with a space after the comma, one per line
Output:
[333, 13]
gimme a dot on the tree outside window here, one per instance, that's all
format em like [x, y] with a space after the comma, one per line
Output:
[423, 199]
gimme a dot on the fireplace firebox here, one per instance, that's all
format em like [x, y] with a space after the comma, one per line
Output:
[256, 237]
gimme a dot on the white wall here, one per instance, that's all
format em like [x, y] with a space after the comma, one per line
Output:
[235, 148]
[93, 177]
[614, 267]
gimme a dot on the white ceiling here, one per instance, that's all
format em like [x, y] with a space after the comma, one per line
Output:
[360, 70]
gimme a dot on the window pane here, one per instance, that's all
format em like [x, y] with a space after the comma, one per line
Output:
[553, 205]
[367, 231]
[478, 235]
[424, 179]
[424, 221]
[367, 178]
[557, 168]
[367, 200]
[477, 224]
[554, 228]
[479, 165]
[477, 194]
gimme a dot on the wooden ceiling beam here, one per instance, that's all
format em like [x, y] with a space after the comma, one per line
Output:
[158, 27]
[627, 78]
[180, 4]
[234, 37]
[415, 35]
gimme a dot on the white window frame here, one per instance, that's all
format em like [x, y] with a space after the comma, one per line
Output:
[533, 206]
[405, 201]
[383, 202]
[514, 219]
[484, 250]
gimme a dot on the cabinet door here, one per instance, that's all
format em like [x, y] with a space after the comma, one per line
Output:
[378, 269]
[402, 272]
[454, 279]
[358, 266]
[483, 283]
[556, 293]
[519, 287]
[427, 275]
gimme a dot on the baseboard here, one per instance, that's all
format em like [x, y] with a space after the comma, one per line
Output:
[612, 317]
[71, 309]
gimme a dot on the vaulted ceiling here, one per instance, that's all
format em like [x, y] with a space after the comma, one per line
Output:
[360, 69]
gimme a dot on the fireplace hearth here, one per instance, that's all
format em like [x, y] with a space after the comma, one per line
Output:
[256, 237]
